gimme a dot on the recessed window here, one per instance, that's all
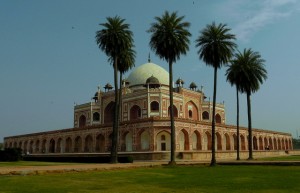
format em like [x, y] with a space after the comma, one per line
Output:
[154, 106]
[205, 115]
[96, 116]
[190, 113]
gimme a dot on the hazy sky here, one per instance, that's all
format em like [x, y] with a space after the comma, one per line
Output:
[49, 58]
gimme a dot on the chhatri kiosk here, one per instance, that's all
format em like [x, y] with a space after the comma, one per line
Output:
[144, 131]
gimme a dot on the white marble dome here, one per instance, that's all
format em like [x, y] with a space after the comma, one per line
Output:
[140, 75]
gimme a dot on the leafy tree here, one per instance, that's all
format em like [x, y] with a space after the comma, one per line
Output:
[252, 73]
[296, 143]
[114, 40]
[233, 77]
[170, 39]
[216, 47]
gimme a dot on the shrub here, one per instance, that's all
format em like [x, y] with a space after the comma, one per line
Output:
[10, 154]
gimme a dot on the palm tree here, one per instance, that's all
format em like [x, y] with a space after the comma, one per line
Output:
[114, 39]
[233, 77]
[216, 47]
[252, 73]
[125, 62]
[169, 39]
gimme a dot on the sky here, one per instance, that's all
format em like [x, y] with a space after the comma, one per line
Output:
[49, 58]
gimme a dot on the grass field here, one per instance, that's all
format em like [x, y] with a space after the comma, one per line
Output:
[264, 179]
[282, 158]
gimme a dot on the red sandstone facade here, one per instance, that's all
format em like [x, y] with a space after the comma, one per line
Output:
[145, 124]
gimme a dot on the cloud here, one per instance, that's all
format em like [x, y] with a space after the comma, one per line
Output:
[252, 17]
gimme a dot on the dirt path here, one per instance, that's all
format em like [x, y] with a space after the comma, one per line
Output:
[34, 170]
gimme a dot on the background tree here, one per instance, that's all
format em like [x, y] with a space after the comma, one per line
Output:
[170, 39]
[216, 47]
[114, 40]
[252, 73]
[233, 77]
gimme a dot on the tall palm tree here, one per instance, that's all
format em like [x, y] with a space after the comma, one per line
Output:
[170, 39]
[216, 47]
[233, 77]
[114, 39]
[125, 62]
[252, 74]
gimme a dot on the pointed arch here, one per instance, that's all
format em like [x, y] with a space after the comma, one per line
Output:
[279, 145]
[282, 144]
[196, 140]
[205, 116]
[31, 146]
[20, 144]
[218, 118]
[100, 143]
[266, 144]
[234, 141]
[145, 140]
[207, 141]
[96, 116]
[243, 142]
[163, 141]
[78, 144]
[25, 147]
[261, 145]
[37, 146]
[154, 106]
[82, 121]
[88, 144]
[275, 147]
[52, 146]
[135, 112]
[255, 145]
[109, 112]
[128, 141]
[44, 146]
[59, 146]
[191, 111]
[175, 111]
[183, 140]
[270, 143]
[68, 147]
[227, 142]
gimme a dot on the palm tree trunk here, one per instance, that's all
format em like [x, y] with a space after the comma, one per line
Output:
[213, 124]
[173, 143]
[249, 126]
[120, 98]
[115, 140]
[237, 124]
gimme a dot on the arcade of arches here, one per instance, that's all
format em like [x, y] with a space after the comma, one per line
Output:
[140, 140]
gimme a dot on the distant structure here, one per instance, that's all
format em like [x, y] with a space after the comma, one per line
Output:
[145, 124]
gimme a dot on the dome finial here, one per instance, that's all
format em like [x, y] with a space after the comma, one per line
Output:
[149, 60]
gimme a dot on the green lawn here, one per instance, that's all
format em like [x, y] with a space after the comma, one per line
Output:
[282, 158]
[242, 179]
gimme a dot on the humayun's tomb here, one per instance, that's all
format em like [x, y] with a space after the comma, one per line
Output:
[144, 131]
